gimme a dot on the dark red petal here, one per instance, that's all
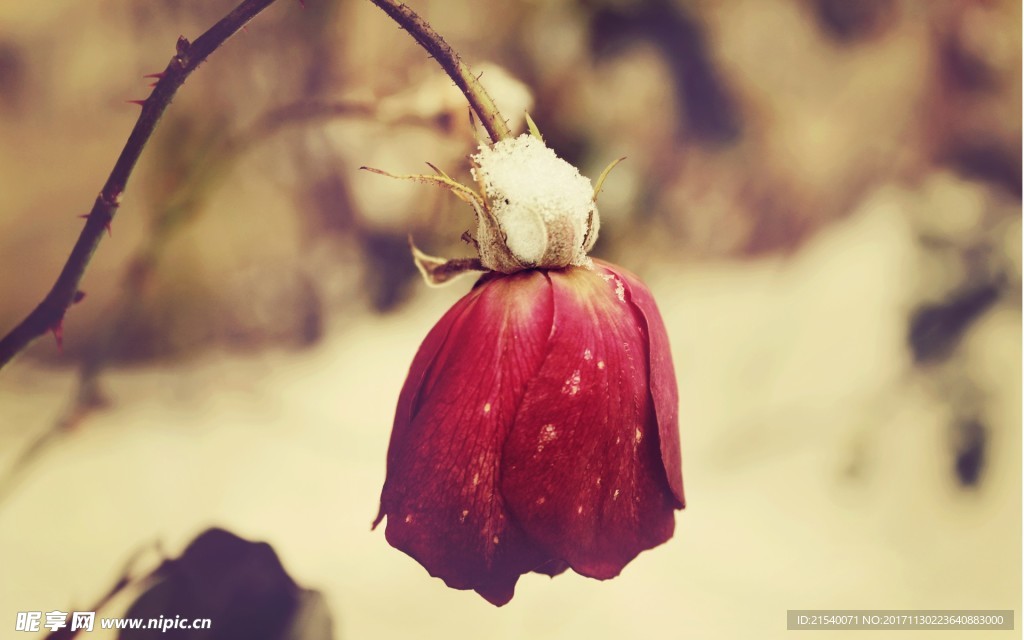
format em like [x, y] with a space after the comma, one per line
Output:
[552, 568]
[663, 378]
[582, 469]
[441, 495]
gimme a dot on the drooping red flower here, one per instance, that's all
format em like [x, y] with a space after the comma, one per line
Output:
[536, 431]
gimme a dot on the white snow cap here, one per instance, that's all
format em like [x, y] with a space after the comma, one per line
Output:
[541, 211]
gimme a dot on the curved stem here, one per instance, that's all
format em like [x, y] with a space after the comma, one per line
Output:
[456, 69]
[49, 314]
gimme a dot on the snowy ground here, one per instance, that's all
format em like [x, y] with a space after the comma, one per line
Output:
[289, 448]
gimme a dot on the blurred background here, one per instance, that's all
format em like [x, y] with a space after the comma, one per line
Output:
[824, 196]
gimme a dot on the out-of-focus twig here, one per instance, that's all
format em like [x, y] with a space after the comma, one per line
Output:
[49, 314]
[128, 577]
[453, 65]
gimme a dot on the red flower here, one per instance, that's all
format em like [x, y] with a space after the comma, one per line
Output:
[537, 431]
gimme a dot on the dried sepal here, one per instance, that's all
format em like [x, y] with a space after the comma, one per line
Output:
[438, 271]
[460, 190]
[532, 126]
[604, 175]
[489, 235]
[533, 209]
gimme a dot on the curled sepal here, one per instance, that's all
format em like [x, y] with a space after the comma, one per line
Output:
[604, 175]
[532, 126]
[438, 271]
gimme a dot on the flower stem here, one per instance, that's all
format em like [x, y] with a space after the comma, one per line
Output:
[50, 312]
[453, 65]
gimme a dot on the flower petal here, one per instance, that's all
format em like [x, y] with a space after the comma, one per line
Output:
[582, 471]
[552, 568]
[441, 495]
[663, 378]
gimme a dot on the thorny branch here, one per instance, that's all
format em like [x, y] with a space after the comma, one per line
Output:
[449, 60]
[49, 314]
[178, 209]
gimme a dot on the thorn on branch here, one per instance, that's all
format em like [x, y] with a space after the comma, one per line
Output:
[156, 78]
[58, 334]
[468, 238]
[189, 55]
[110, 233]
[182, 46]
[141, 103]
[112, 201]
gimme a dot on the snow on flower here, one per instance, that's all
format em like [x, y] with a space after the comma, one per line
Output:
[544, 209]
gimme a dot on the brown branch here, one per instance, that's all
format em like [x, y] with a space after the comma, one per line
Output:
[456, 69]
[177, 210]
[50, 312]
